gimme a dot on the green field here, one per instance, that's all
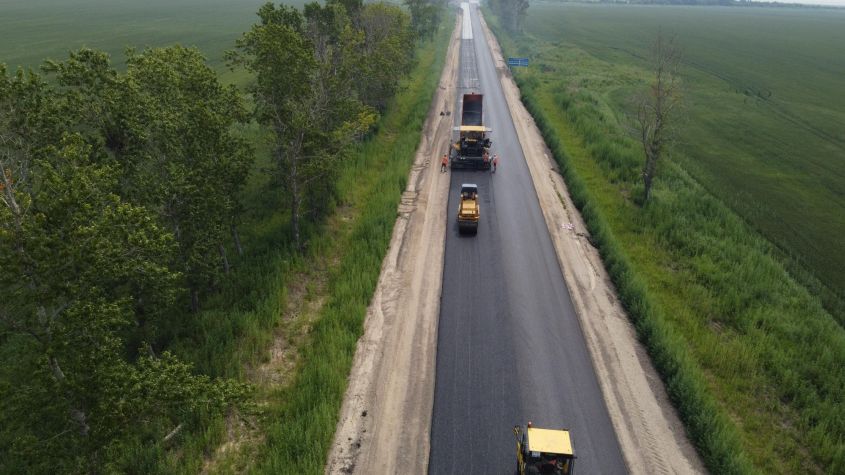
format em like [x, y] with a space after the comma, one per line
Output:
[735, 324]
[33, 30]
[764, 125]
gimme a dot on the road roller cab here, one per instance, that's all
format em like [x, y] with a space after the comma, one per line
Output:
[541, 451]
[468, 210]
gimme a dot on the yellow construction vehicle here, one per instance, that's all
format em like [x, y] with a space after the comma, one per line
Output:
[468, 211]
[471, 150]
[543, 451]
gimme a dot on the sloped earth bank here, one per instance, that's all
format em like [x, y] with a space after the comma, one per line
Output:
[649, 431]
[385, 419]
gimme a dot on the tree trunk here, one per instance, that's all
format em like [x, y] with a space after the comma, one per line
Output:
[9, 196]
[296, 201]
[656, 110]
[173, 433]
[76, 414]
[195, 300]
[650, 169]
[294, 217]
[237, 239]
[224, 258]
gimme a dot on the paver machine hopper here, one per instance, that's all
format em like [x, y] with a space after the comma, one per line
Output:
[471, 150]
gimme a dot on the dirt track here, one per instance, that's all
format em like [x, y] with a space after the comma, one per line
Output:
[384, 425]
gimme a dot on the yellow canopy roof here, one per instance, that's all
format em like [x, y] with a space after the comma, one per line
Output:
[473, 128]
[549, 441]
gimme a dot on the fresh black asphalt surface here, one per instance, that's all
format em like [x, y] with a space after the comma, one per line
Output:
[510, 348]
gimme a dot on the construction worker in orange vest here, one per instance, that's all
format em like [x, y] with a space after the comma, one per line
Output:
[444, 162]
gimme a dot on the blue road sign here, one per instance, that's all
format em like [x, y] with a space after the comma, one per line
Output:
[518, 62]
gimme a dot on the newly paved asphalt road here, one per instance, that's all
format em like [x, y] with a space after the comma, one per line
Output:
[510, 348]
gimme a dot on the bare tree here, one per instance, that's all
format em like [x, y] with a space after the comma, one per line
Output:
[511, 13]
[657, 107]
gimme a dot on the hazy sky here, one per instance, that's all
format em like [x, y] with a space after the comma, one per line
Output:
[840, 3]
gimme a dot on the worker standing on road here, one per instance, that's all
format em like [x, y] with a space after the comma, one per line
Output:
[444, 162]
[495, 162]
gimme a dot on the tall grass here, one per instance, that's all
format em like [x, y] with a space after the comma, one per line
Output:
[749, 356]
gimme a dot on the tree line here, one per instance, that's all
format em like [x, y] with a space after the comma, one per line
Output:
[120, 193]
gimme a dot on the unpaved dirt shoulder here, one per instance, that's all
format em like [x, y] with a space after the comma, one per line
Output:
[385, 420]
[652, 437]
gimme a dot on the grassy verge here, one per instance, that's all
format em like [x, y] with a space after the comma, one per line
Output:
[749, 356]
[310, 308]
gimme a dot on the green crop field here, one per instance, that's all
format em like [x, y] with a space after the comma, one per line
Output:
[764, 122]
[32, 30]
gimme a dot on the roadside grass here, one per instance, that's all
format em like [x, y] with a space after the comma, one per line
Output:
[764, 122]
[292, 424]
[750, 357]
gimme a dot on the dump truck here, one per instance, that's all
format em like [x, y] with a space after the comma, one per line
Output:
[468, 211]
[472, 149]
[543, 451]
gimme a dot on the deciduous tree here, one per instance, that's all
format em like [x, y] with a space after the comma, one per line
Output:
[387, 53]
[511, 13]
[657, 108]
[194, 167]
[76, 258]
[425, 16]
[167, 123]
[304, 94]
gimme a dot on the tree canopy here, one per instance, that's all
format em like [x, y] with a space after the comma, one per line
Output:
[93, 163]
[321, 76]
[120, 193]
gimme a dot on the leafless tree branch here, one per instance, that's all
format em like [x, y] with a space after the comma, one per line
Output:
[657, 109]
